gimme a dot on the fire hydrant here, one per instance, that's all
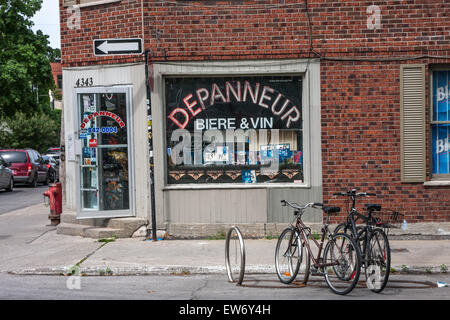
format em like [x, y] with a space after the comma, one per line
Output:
[54, 194]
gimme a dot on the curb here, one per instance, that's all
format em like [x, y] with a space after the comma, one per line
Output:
[190, 270]
[139, 271]
[405, 269]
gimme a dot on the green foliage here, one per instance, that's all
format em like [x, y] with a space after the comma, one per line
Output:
[220, 235]
[317, 235]
[25, 72]
[37, 131]
[271, 236]
[107, 240]
[55, 54]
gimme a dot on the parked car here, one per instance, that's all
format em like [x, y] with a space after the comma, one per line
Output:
[27, 166]
[6, 176]
[53, 167]
[53, 156]
[55, 152]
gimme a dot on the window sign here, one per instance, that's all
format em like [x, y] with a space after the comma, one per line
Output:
[245, 129]
[441, 123]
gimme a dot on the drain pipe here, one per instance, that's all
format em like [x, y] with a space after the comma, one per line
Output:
[150, 149]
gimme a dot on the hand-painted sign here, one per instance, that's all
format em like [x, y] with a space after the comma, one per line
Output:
[269, 102]
[102, 114]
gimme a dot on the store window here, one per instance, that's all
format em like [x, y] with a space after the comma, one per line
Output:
[104, 167]
[59, 81]
[240, 129]
[440, 125]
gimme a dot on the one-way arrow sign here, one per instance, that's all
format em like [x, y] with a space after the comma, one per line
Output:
[103, 47]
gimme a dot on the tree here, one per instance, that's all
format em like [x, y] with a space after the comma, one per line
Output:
[55, 54]
[25, 72]
[38, 131]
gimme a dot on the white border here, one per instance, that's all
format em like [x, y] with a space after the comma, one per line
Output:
[88, 214]
[310, 101]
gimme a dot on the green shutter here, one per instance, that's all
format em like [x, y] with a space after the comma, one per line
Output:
[412, 123]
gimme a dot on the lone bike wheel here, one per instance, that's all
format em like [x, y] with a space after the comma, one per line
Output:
[289, 255]
[378, 261]
[341, 263]
[235, 255]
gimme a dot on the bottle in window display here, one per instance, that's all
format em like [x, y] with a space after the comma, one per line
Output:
[298, 157]
[113, 193]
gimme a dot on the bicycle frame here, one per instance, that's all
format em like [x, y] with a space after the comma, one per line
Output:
[368, 227]
[302, 228]
[335, 259]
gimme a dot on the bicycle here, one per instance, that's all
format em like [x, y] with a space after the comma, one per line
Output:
[372, 241]
[340, 263]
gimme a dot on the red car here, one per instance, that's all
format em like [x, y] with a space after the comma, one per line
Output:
[27, 166]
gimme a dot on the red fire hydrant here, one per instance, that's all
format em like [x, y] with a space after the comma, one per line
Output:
[54, 194]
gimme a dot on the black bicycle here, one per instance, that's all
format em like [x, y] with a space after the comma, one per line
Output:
[372, 240]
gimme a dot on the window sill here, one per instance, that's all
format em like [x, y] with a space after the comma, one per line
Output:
[234, 186]
[437, 183]
[89, 4]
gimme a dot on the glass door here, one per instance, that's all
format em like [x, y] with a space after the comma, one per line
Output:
[105, 186]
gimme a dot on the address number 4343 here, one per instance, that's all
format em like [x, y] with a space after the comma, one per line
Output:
[84, 82]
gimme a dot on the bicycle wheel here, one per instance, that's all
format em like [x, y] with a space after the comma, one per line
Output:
[289, 255]
[235, 255]
[342, 263]
[345, 228]
[378, 261]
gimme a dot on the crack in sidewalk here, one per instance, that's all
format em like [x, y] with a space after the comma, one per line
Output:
[40, 236]
[77, 265]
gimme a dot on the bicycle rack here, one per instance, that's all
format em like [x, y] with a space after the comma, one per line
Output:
[236, 273]
[239, 253]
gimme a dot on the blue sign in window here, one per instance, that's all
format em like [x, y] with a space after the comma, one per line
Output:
[441, 125]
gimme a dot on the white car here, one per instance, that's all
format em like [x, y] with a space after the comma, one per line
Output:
[6, 176]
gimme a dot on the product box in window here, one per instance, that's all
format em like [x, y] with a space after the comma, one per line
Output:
[249, 176]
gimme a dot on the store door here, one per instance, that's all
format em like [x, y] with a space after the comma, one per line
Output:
[105, 179]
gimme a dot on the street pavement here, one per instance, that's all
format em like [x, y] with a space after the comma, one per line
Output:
[263, 287]
[28, 245]
[23, 196]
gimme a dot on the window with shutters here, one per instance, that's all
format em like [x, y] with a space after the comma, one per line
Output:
[412, 102]
[440, 124]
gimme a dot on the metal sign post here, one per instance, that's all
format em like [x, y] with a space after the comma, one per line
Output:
[150, 144]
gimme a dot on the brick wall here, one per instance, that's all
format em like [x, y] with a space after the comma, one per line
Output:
[115, 20]
[56, 70]
[209, 29]
[361, 141]
[360, 99]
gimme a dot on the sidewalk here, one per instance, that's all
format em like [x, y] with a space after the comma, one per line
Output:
[28, 246]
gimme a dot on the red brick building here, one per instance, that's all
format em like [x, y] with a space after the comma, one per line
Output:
[57, 77]
[357, 92]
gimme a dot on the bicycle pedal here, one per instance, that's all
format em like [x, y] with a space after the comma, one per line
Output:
[316, 272]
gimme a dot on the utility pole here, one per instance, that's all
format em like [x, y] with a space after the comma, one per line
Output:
[150, 149]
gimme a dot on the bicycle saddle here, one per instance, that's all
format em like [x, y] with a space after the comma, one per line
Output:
[373, 207]
[330, 210]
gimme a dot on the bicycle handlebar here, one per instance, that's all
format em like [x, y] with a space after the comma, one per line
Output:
[285, 203]
[353, 193]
